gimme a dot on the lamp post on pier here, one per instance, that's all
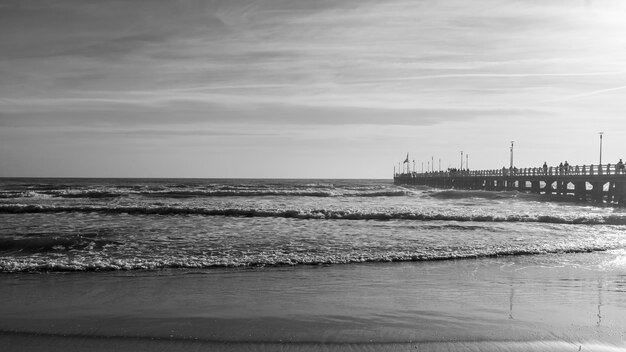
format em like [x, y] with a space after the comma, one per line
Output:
[461, 160]
[511, 167]
[600, 133]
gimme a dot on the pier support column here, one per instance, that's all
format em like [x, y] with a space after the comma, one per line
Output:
[548, 187]
[566, 190]
[580, 191]
[597, 192]
[620, 193]
[510, 185]
[610, 193]
[535, 187]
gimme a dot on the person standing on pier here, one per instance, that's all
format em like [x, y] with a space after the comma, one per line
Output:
[620, 167]
[545, 168]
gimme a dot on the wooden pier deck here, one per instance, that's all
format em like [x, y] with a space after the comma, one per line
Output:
[595, 183]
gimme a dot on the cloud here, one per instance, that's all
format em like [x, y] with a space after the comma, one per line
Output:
[591, 93]
[294, 52]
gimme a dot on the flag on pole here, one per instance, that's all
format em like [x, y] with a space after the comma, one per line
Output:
[407, 158]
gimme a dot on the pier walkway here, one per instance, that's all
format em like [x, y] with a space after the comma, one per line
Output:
[596, 183]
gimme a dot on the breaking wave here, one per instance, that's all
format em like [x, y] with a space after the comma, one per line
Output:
[94, 262]
[491, 195]
[270, 192]
[186, 193]
[327, 214]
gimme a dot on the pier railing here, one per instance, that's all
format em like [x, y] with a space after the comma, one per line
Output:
[578, 170]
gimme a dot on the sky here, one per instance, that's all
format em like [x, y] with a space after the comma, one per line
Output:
[307, 88]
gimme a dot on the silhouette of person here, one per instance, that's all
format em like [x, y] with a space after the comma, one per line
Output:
[545, 167]
[620, 166]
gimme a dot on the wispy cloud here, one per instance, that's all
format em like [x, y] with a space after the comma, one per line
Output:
[284, 51]
[588, 94]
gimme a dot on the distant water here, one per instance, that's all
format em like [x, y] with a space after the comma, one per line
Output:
[131, 224]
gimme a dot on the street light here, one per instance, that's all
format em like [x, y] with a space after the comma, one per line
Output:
[512, 155]
[600, 133]
[461, 160]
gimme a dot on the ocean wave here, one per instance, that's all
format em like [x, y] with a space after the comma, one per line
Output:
[18, 194]
[95, 262]
[41, 243]
[94, 194]
[199, 193]
[91, 194]
[325, 214]
[462, 194]
[386, 193]
[238, 193]
[292, 192]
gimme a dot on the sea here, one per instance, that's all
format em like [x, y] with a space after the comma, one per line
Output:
[362, 262]
[152, 224]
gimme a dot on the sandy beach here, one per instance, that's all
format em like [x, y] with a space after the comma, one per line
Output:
[491, 304]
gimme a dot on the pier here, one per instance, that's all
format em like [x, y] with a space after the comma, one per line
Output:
[593, 183]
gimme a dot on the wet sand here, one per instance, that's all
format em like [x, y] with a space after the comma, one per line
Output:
[557, 303]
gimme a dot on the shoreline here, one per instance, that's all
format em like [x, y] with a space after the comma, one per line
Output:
[33, 342]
